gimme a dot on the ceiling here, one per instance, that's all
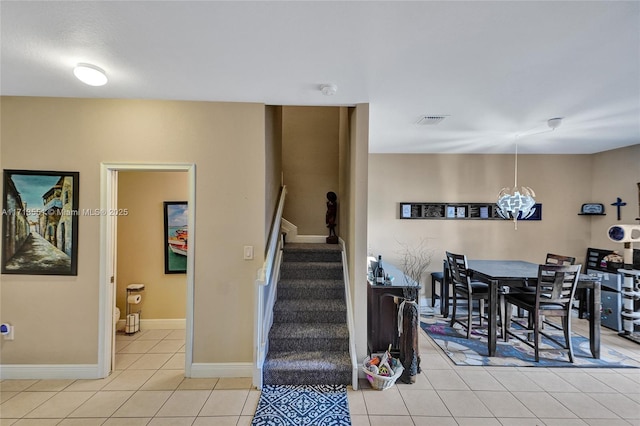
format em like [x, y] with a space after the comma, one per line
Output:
[497, 70]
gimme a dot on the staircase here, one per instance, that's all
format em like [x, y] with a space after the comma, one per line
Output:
[309, 338]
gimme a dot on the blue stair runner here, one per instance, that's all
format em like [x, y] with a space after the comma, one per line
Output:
[309, 338]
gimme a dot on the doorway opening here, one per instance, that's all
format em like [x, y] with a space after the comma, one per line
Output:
[108, 257]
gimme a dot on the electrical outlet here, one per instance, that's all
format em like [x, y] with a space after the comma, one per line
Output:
[7, 331]
[248, 252]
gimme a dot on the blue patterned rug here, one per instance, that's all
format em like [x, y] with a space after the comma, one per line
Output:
[301, 405]
[473, 351]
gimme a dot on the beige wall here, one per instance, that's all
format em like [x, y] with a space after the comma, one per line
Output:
[357, 220]
[273, 160]
[310, 150]
[616, 173]
[235, 159]
[562, 184]
[141, 243]
[344, 173]
[56, 317]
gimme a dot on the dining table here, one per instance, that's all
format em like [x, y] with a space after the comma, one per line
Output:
[504, 274]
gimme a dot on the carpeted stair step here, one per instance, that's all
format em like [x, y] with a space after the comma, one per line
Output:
[308, 337]
[307, 368]
[310, 311]
[300, 252]
[311, 270]
[310, 289]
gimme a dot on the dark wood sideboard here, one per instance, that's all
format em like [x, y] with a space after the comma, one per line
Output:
[382, 312]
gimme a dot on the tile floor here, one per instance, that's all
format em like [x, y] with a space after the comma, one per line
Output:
[148, 388]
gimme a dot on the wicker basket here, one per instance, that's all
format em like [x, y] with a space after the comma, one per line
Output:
[383, 382]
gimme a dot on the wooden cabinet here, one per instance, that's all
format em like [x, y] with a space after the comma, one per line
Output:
[382, 315]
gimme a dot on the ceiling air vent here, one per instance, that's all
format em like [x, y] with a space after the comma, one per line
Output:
[430, 120]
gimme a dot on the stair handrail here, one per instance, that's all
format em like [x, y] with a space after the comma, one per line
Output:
[350, 321]
[265, 286]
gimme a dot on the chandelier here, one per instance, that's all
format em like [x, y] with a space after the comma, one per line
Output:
[518, 202]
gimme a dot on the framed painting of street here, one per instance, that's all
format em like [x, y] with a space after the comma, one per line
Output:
[40, 222]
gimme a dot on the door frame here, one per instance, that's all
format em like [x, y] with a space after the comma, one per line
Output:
[106, 300]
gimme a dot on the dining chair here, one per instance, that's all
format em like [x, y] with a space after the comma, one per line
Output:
[551, 259]
[558, 259]
[443, 279]
[553, 296]
[464, 286]
[582, 294]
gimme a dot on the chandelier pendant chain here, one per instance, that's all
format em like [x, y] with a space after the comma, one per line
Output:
[515, 185]
[515, 179]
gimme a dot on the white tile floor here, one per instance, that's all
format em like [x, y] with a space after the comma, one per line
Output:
[148, 388]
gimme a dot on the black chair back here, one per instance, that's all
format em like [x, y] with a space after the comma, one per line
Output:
[458, 270]
[558, 259]
[557, 284]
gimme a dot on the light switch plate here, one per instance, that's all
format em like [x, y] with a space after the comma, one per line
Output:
[248, 252]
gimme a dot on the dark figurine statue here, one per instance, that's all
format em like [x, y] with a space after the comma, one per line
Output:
[332, 210]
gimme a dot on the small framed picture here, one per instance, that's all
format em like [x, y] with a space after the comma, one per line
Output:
[451, 211]
[405, 211]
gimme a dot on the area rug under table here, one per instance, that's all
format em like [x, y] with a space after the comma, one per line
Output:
[474, 351]
[321, 405]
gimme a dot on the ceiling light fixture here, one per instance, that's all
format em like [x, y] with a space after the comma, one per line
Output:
[554, 123]
[90, 74]
[430, 120]
[328, 89]
[518, 202]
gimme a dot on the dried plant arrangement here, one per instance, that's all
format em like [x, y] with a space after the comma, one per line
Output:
[415, 259]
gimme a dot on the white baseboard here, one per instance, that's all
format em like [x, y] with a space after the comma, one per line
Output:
[157, 324]
[49, 371]
[314, 239]
[292, 234]
[90, 371]
[289, 229]
[229, 369]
